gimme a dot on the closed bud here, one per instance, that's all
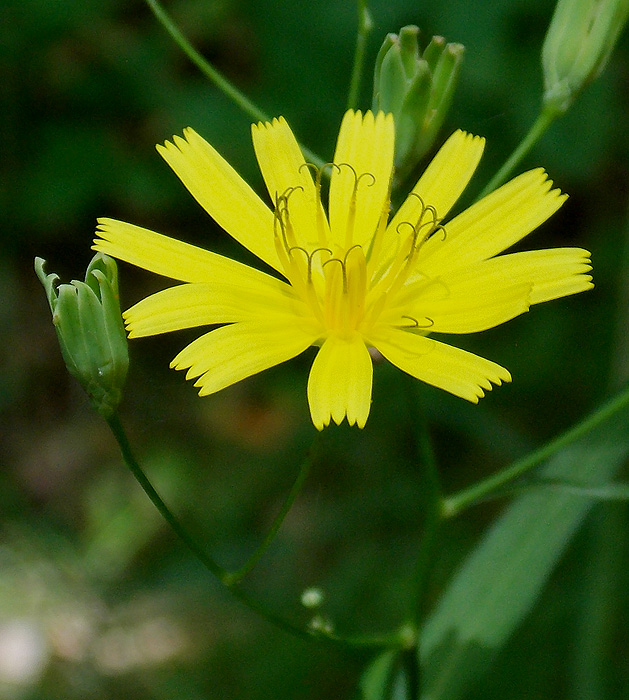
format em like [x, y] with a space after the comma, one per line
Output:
[581, 36]
[417, 88]
[87, 318]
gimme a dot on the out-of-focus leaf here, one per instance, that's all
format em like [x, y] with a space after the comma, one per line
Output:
[501, 579]
[385, 678]
[377, 676]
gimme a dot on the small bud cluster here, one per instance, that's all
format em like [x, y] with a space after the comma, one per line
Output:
[417, 88]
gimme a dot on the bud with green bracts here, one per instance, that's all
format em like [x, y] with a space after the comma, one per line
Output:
[87, 318]
[580, 39]
[417, 88]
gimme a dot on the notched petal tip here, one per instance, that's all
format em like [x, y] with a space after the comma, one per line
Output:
[465, 138]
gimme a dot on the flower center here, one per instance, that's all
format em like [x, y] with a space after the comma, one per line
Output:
[348, 286]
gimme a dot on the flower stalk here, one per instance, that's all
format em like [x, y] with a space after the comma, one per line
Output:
[365, 26]
[214, 75]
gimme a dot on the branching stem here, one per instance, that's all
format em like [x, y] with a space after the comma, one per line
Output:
[453, 505]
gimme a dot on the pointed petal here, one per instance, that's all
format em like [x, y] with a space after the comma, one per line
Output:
[493, 224]
[340, 381]
[452, 369]
[444, 179]
[191, 305]
[553, 273]
[225, 196]
[360, 183]
[467, 305]
[286, 173]
[168, 256]
[228, 354]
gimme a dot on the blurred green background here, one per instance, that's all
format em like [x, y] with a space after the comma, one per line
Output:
[97, 597]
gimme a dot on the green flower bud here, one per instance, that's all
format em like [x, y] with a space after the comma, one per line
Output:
[417, 88]
[579, 42]
[89, 327]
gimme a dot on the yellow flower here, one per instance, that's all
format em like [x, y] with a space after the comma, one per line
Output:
[349, 279]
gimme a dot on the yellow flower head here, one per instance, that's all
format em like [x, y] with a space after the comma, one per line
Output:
[349, 279]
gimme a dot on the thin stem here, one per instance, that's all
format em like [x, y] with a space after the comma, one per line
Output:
[433, 514]
[215, 76]
[453, 505]
[397, 640]
[237, 576]
[540, 125]
[204, 66]
[205, 559]
[365, 25]
[433, 518]
[127, 454]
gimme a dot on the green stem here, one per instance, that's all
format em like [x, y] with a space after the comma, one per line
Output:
[612, 492]
[127, 454]
[365, 25]
[217, 77]
[398, 639]
[237, 576]
[433, 519]
[453, 505]
[540, 125]
[204, 66]
[205, 559]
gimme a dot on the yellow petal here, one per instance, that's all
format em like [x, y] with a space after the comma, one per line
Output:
[225, 196]
[493, 224]
[228, 354]
[491, 292]
[191, 305]
[444, 179]
[552, 273]
[169, 257]
[286, 173]
[360, 183]
[466, 305]
[340, 381]
[452, 369]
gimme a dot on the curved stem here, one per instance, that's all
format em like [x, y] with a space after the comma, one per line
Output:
[121, 437]
[204, 558]
[397, 640]
[365, 25]
[215, 76]
[236, 576]
[453, 505]
[540, 125]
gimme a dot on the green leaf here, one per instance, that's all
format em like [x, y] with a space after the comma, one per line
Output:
[501, 579]
[385, 678]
